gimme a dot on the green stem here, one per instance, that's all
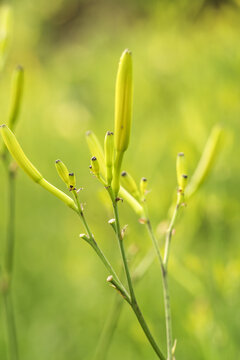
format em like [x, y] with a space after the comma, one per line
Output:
[11, 327]
[166, 295]
[169, 235]
[109, 329]
[134, 303]
[8, 266]
[99, 252]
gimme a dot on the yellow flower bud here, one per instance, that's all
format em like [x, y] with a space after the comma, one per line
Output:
[206, 161]
[24, 163]
[143, 186]
[108, 150]
[123, 102]
[181, 172]
[5, 26]
[62, 171]
[130, 185]
[95, 166]
[96, 150]
[136, 206]
[17, 89]
[17, 153]
[72, 181]
[123, 114]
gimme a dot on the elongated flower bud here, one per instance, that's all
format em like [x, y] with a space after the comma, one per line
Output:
[130, 185]
[62, 171]
[136, 206]
[181, 171]
[5, 26]
[108, 149]
[21, 159]
[123, 114]
[17, 89]
[143, 186]
[95, 166]
[72, 181]
[206, 161]
[123, 102]
[96, 150]
[17, 153]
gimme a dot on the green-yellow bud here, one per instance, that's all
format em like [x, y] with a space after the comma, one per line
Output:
[95, 166]
[108, 150]
[24, 163]
[206, 161]
[62, 171]
[72, 181]
[136, 206]
[143, 186]
[123, 102]
[96, 149]
[181, 172]
[17, 90]
[5, 26]
[130, 185]
[17, 153]
[123, 114]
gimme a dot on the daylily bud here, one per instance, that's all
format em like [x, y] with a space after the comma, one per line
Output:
[72, 181]
[18, 154]
[136, 206]
[108, 149]
[17, 89]
[96, 149]
[5, 25]
[95, 166]
[62, 171]
[130, 185]
[123, 102]
[143, 186]
[181, 172]
[21, 159]
[123, 114]
[207, 160]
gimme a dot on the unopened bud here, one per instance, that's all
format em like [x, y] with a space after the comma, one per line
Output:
[143, 186]
[108, 149]
[181, 171]
[123, 114]
[72, 181]
[95, 166]
[96, 150]
[206, 161]
[17, 153]
[62, 171]
[130, 185]
[16, 96]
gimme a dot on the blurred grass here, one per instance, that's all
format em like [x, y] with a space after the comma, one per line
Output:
[186, 79]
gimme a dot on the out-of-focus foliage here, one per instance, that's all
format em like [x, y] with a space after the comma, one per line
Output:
[186, 58]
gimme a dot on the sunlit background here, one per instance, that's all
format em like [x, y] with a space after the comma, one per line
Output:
[186, 57]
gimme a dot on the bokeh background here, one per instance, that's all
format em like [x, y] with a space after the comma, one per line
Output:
[186, 79]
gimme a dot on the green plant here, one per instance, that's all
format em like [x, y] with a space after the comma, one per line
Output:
[106, 167]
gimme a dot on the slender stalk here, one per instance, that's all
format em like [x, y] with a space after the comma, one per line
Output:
[166, 295]
[134, 303]
[99, 252]
[169, 235]
[109, 329]
[8, 266]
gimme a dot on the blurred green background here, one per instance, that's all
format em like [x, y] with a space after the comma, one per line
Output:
[186, 78]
